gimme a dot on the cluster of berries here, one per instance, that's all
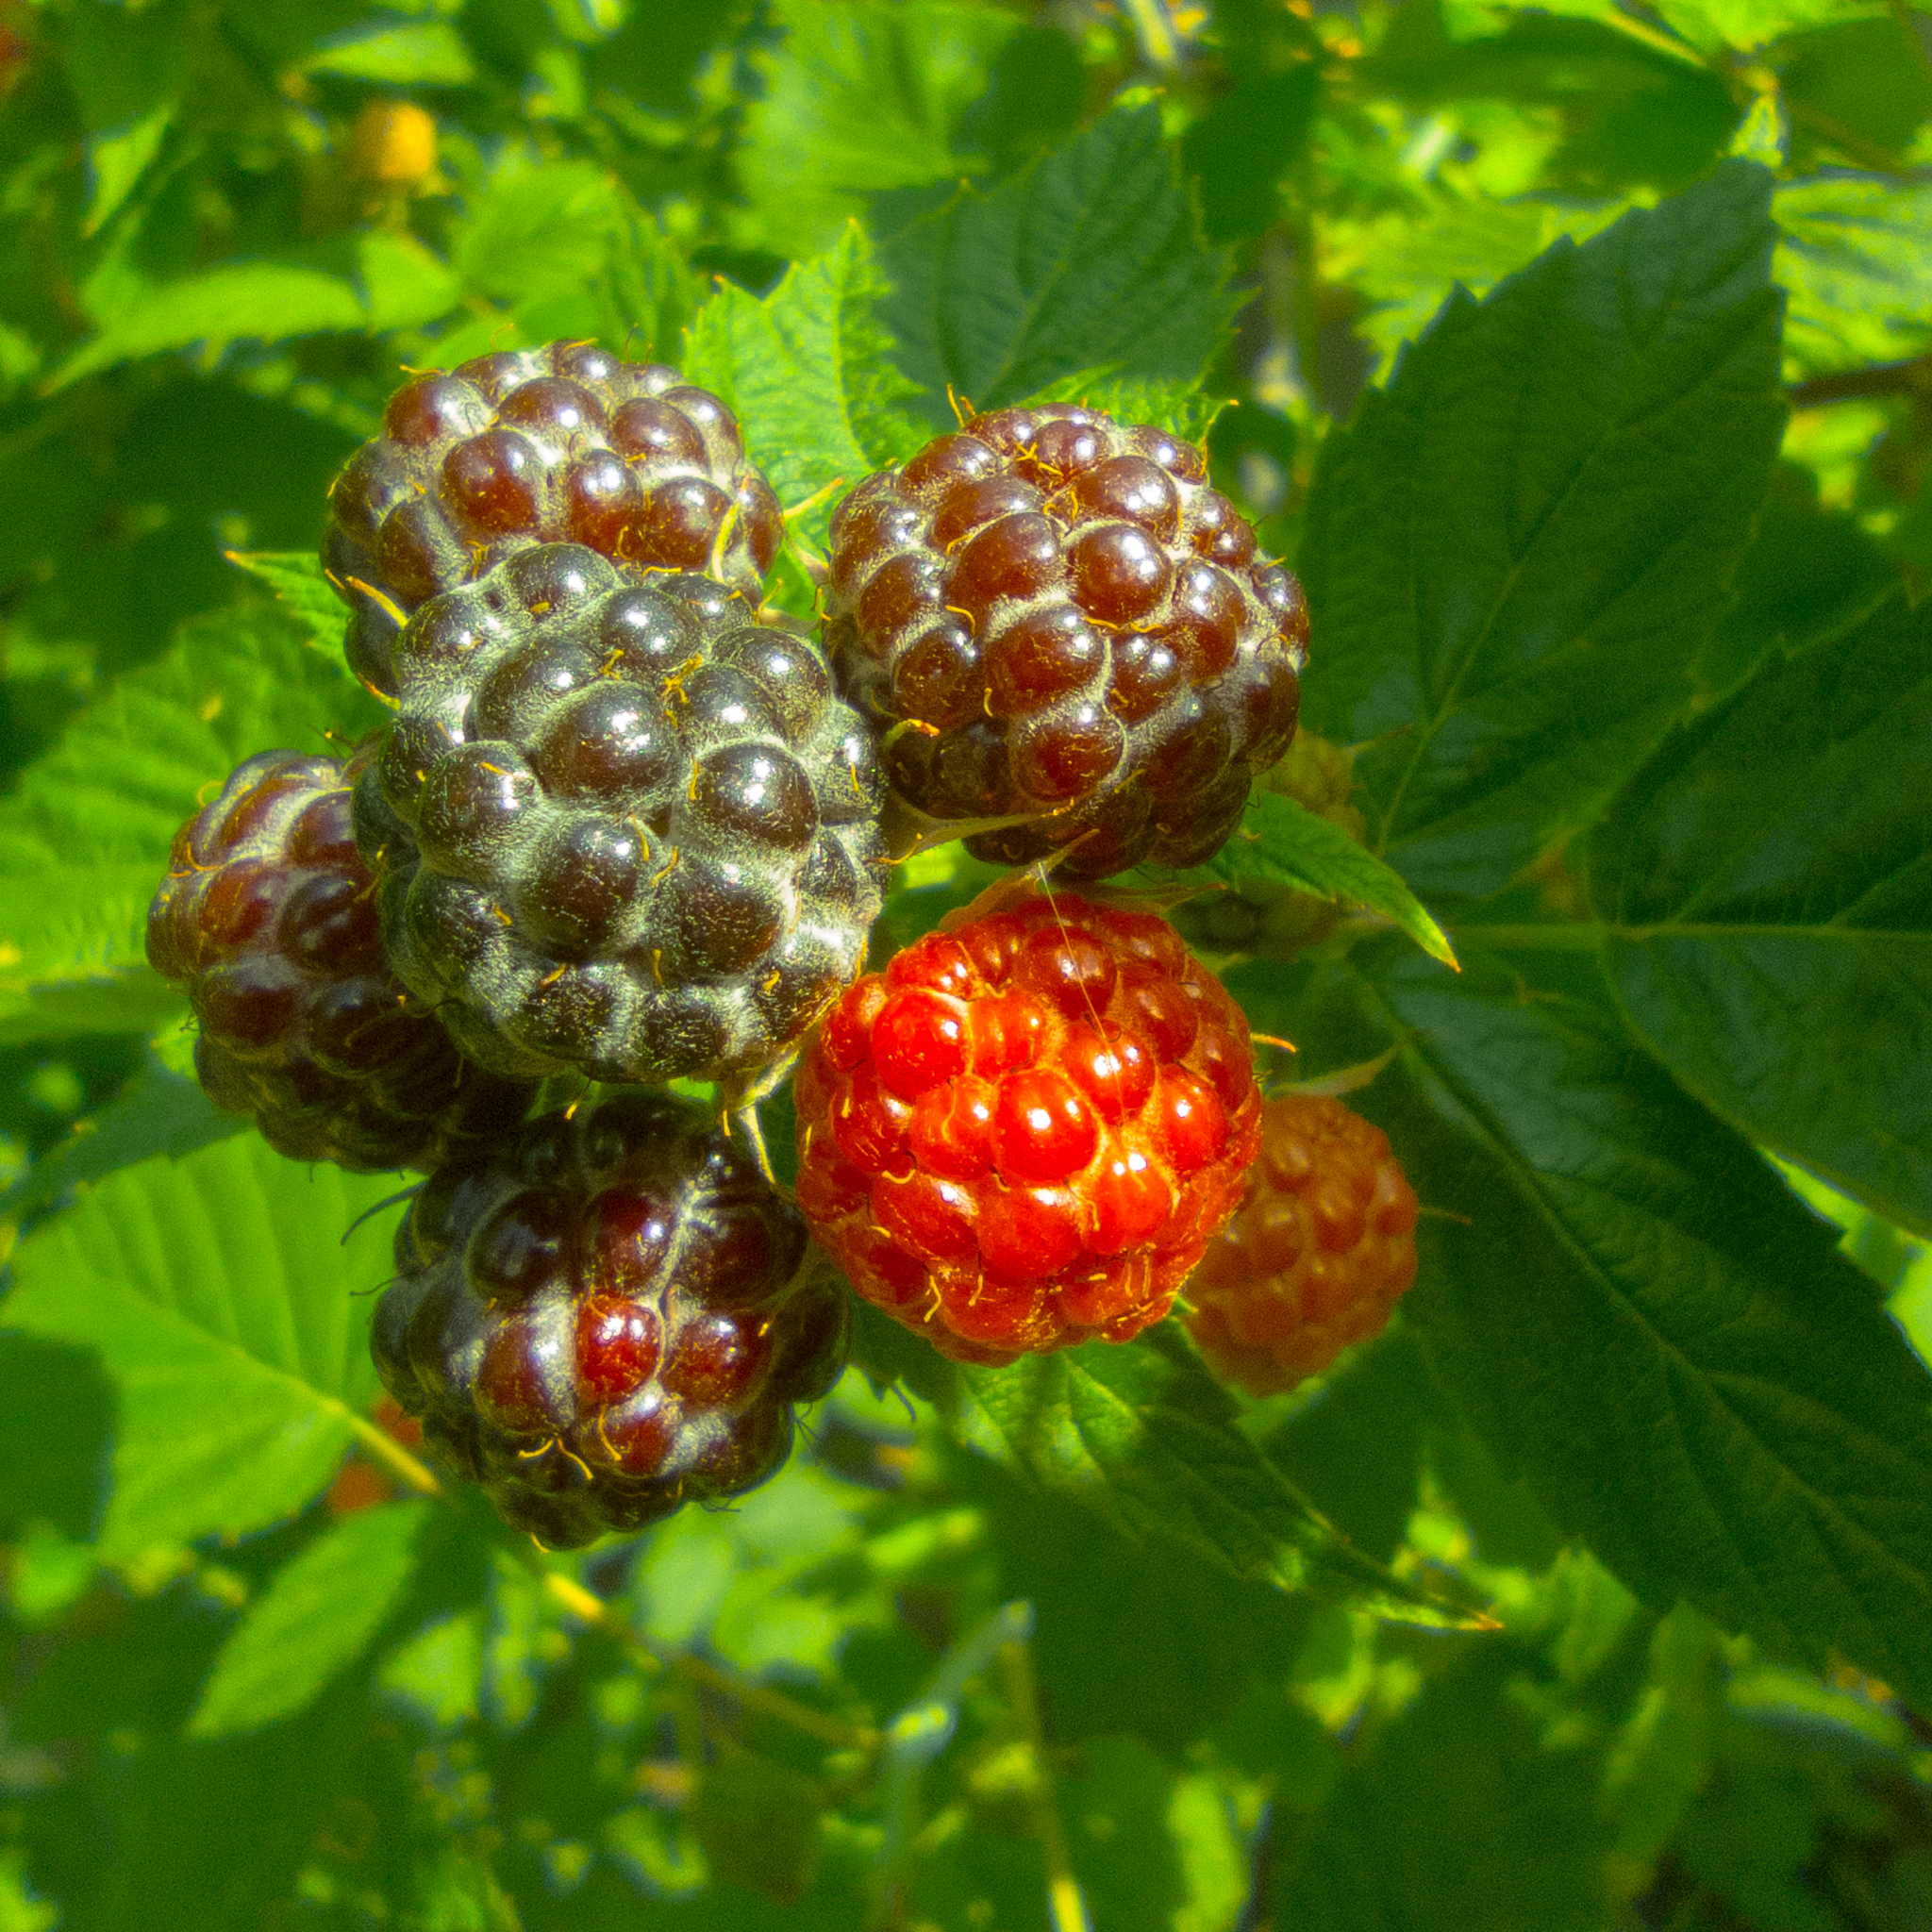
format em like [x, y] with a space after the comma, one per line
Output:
[628, 824]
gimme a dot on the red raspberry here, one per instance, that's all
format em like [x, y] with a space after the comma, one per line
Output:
[1323, 1248]
[1071, 627]
[564, 443]
[267, 921]
[610, 1315]
[1021, 1134]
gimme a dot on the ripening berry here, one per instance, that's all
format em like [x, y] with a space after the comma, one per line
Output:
[1068, 626]
[610, 1314]
[1021, 1134]
[566, 443]
[1323, 1248]
[267, 921]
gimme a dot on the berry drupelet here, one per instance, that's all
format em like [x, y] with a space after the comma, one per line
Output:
[1059, 620]
[620, 826]
[1023, 1133]
[610, 1314]
[267, 921]
[1323, 1248]
[562, 443]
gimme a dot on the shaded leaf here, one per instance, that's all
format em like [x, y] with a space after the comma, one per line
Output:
[1407, 265]
[1648, 1326]
[318, 1612]
[161, 1112]
[758, 1821]
[232, 1316]
[1459, 1819]
[1142, 1435]
[1514, 551]
[1770, 870]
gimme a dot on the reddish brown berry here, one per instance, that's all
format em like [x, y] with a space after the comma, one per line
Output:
[1071, 629]
[1323, 1248]
[267, 920]
[1021, 1134]
[566, 443]
[610, 1313]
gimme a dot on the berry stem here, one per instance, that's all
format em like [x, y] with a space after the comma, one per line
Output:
[407, 1469]
[592, 1609]
[1065, 1908]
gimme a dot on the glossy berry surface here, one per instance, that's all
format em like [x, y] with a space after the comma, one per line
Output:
[1323, 1248]
[562, 443]
[609, 1314]
[1070, 627]
[1021, 1134]
[621, 827]
[267, 921]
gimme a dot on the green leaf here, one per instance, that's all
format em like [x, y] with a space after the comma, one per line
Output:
[533, 227]
[403, 285]
[1175, 405]
[1091, 259]
[412, 53]
[1513, 551]
[439, 1671]
[1406, 265]
[1281, 842]
[859, 97]
[119, 158]
[1141, 1434]
[1643, 1321]
[1769, 879]
[56, 1429]
[160, 1113]
[1856, 255]
[1098, 1596]
[301, 588]
[1118, 1839]
[268, 301]
[232, 1314]
[319, 1612]
[807, 371]
[84, 837]
[569, 249]
[1459, 1818]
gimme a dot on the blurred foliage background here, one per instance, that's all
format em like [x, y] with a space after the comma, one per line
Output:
[225, 229]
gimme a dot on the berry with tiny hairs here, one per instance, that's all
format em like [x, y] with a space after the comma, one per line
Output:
[1321, 1251]
[1060, 622]
[267, 921]
[610, 1313]
[1021, 1134]
[565, 443]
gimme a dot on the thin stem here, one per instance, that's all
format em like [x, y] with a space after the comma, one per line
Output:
[406, 1468]
[1880, 379]
[1065, 1906]
[1155, 33]
[592, 1609]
